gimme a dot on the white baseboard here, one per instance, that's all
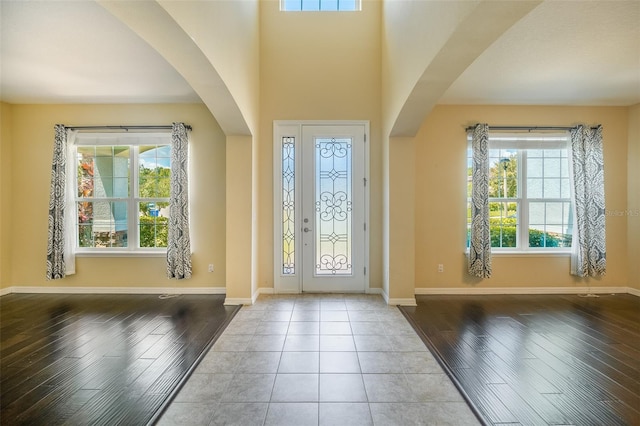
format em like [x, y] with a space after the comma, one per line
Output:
[249, 300]
[269, 290]
[406, 301]
[116, 290]
[634, 291]
[238, 301]
[524, 290]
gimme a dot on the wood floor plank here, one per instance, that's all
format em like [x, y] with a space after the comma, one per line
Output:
[100, 359]
[538, 359]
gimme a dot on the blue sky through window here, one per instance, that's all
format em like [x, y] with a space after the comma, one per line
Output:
[320, 5]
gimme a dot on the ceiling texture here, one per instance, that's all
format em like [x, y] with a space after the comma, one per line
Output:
[562, 53]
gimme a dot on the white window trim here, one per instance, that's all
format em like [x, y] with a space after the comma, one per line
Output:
[293, 128]
[358, 8]
[133, 139]
[508, 141]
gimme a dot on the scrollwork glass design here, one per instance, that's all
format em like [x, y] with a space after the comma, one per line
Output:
[288, 205]
[333, 206]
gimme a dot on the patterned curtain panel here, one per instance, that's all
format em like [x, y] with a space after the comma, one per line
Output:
[588, 247]
[60, 241]
[480, 241]
[179, 244]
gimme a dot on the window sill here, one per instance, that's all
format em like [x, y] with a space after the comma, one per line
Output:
[531, 254]
[528, 253]
[121, 253]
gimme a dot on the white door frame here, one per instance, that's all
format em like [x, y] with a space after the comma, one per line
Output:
[291, 281]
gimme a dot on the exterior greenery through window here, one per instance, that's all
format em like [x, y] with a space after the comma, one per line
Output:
[123, 193]
[529, 193]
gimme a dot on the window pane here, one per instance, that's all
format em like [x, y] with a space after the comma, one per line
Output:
[121, 187]
[550, 224]
[551, 167]
[552, 188]
[146, 153]
[85, 235]
[104, 151]
[564, 167]
[163, 151]
[163, 183]
[102, 224]
[86, 151]
[554, 214]
[469, 171]
[86, 166]
[153, 224]
[85, 213]
[103, 186]
[85, 224]
[503, 176]
[146, 184]
[311, 5]
[317, 5]
[534, 188]
[503, 222]
[154, 178]
[333, 202]
[329, 5]
[348, 5]
[565, 189]
[536, 213]
[468, 222]
[288, 205]
[97, 165]
[292, 5]
[534, 167]
[546, 176]
[121, 151]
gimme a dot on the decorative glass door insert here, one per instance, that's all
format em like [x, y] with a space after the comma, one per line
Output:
[333, 206]
[321, 203]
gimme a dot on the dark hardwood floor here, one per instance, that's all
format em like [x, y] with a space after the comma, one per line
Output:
[538, 360]
[100, 359]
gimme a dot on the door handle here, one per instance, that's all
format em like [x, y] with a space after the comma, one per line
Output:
[307, 230]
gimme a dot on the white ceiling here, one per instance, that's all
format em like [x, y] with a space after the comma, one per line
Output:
[77, 52]
[562, 53]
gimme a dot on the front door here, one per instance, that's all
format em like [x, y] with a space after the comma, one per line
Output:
[323, 233]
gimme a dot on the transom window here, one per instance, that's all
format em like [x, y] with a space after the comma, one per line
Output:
[122, 196]
[529, 193]
[320, 5]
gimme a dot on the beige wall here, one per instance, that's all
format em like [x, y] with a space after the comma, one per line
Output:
[318, 66]
[440, 197]
[31, 146]
[6, 189]
[227, 32]
[413, 34]
[239, 218]
[326, 66]
[400, 274]
[633, 207]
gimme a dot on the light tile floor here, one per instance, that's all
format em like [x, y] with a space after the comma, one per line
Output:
[319, 360]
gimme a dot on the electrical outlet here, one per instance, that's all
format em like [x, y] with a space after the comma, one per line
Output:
[440, 267]
[211, 267]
